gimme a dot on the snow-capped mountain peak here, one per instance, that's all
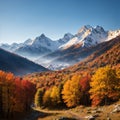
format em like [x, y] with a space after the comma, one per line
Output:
[28, 42]
[41, 39]
[87, 36]
[5, 46]
[68, 35]
[85, 29]
[99, 28]
[65, 38]
[42, 35]
[44, 42]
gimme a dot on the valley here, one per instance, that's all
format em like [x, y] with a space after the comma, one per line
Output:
[59, 60]
[83, 82]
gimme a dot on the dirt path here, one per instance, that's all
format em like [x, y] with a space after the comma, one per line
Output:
[38, 114]
[75, 115]
[55, 114]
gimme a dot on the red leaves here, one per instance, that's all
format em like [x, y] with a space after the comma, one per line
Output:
[16, 94]
[24, 93]
[84, 82]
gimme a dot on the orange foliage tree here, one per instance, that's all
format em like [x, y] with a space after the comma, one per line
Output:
[105, 86]
[7, 88]
[85, 87]
[72, 91]
[15, 94]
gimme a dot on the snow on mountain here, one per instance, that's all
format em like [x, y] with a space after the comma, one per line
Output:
[14, 46]
[43, 41]
[28, 42]
[57, 66]
[41, 45]
[5, 46]
[39, 42]
[65, 39]
[89, 36]
[37, 47]
[86, 37]
[113, 34]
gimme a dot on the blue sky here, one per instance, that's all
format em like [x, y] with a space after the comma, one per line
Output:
[23, 19]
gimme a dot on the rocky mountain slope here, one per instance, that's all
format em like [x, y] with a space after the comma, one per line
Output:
[88, 36]
[108, 54]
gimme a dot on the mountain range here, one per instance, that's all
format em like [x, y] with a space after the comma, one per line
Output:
[40, 46]
[66, 51]
[108, 53]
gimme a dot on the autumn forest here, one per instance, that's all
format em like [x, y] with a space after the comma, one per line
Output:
[91, 83]
[58, 89]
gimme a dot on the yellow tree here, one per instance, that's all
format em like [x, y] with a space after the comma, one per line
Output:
[47, 98]
[7, 88]
[118, 72]
[104, 86]
[118, 77]
[38, 97]
[72, 91]
[55, 96]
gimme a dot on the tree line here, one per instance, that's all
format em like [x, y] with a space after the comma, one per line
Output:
[101, 88]
[66, 90]
[16, 94]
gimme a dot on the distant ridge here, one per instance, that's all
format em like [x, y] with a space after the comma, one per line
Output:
[18, 65]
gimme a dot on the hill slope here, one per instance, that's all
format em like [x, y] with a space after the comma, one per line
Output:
[18, 65]
[108, 54]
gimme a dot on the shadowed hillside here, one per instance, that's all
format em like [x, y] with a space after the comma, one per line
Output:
[18, 65]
